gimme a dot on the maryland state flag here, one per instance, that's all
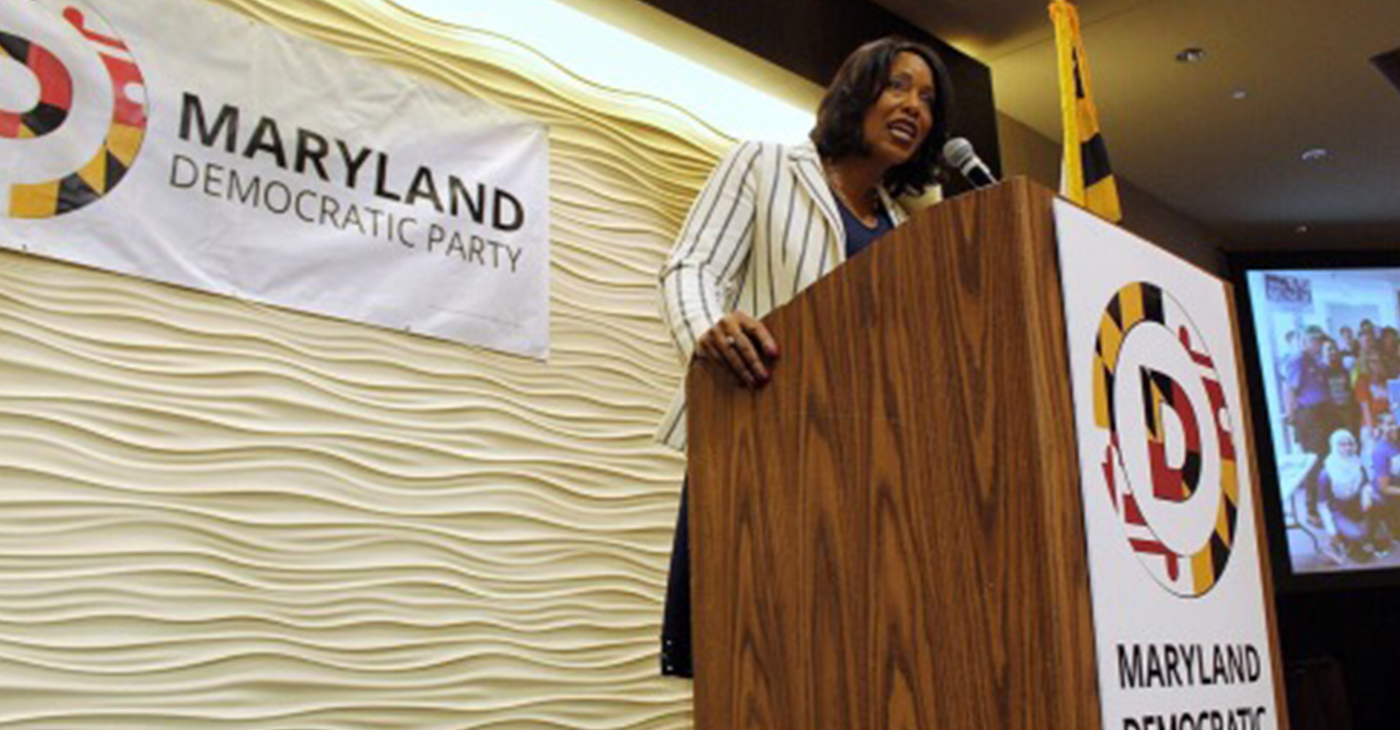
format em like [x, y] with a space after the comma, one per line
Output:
[1086, 177]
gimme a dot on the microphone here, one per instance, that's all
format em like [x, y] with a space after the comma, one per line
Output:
[959, 153]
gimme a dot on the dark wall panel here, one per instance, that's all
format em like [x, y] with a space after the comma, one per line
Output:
[1359, 630]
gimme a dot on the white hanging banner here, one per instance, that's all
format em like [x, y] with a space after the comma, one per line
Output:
[182, 142]
[1176, 573]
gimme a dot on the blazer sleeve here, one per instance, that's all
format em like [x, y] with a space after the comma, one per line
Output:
[711, 250]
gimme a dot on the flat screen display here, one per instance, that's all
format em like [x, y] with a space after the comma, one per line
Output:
[1325, 354]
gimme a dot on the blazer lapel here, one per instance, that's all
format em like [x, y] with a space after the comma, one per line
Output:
[807, 166]
[897, 213]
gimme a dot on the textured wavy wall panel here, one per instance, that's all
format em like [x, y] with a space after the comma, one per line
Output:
[221, 515]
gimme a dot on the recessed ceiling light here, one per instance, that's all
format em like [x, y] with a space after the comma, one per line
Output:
[1191, 55]
[1300, 230]
[1238, 94]
[1316, 154]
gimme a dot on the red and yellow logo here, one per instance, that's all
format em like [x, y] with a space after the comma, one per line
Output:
[80, 135]
[1170, 461]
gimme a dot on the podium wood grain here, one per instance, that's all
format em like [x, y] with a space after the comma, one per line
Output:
[889, 535]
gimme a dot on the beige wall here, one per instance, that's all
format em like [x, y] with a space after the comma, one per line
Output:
[1026, 152]
[221, 515]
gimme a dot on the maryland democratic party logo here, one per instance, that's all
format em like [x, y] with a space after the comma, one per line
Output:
[1170, 459]
[74, 115]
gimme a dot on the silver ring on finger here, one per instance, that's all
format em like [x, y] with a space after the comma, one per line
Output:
[730, 339]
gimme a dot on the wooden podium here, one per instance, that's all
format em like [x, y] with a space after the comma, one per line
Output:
[891, 533]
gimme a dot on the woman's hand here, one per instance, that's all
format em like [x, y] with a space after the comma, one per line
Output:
[741, 342]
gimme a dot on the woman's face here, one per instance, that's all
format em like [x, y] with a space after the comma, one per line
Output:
[901, 117]
[1385, 426]
[1346, 446]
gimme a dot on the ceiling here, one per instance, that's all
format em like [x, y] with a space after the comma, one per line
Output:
[1176, 131]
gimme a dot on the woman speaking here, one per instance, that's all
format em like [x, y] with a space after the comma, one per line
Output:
[773, 219]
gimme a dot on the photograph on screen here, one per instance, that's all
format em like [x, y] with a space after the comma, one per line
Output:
[1329, 353]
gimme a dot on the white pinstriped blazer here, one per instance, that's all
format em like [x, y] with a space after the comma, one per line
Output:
[763, 229]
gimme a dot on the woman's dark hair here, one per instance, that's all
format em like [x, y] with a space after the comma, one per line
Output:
[860, 81]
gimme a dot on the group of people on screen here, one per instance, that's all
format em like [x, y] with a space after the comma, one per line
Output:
[1337, 403]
